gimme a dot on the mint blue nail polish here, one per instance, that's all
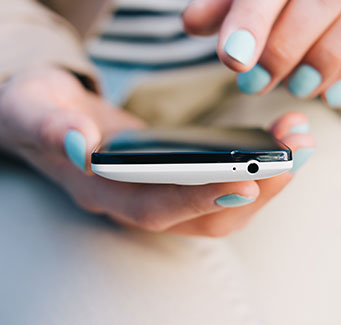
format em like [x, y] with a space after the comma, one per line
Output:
[75, 148]
[304, 81]
[333, 95]
[253, 81]
[241, 46]
[234, 200]
[301, 157]
[300, 128]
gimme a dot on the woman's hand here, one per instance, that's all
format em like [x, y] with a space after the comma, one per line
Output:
[50, 120]
[298, 41]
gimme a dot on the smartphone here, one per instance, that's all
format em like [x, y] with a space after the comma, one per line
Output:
[192, 156]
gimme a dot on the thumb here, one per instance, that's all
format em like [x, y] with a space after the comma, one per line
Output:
[71, 135]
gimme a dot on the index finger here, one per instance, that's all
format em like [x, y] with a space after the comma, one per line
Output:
[245, 31]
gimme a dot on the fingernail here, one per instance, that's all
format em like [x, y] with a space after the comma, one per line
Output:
[234, 200]
[333, 95]
[241, 46]
[253, 81]
[75, 148]
[301, 156]
[300, 128]
[304, 81]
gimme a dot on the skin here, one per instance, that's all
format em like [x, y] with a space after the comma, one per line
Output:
[283, 41]
[38, 107]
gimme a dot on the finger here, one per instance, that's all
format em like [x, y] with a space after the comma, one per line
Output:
[293, 130]
[53, 132]
[69, 136]
[222, 223]
[158, 207]
[111, 120]
[245, 30]
[44, 127]
[78, 131]
[332, 95]
[302, 146]
[204, 17]
[324, 58]
[292, 122]
[83, 134]
[288, 43]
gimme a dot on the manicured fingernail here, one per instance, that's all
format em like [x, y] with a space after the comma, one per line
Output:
[304, 81]
[299, 128]
[333, 95]
[234, 200]
[301, 156]
[75, 148]
[241, 46]
[253, 81]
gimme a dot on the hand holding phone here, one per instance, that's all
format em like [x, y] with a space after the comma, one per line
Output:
[192, 156]
[34, 122]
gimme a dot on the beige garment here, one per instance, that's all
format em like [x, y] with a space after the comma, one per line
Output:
[34, 34]
[182, 96]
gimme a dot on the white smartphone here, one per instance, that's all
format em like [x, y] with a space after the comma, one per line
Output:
[192, 156]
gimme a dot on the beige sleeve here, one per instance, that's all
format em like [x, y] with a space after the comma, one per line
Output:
[33, 35]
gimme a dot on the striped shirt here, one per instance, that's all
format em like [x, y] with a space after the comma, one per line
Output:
[149, 33]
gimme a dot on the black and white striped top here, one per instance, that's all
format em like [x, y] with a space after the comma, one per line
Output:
[149, 32]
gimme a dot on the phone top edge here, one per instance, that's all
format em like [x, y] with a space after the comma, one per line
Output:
[190, 157]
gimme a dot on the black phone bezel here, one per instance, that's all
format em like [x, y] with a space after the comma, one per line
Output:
[279, 153]
[190, 157]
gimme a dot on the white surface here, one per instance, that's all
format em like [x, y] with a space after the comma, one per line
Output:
[190, 174]
[62, 266]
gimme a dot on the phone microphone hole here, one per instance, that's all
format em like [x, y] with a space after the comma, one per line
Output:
[253, 168]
